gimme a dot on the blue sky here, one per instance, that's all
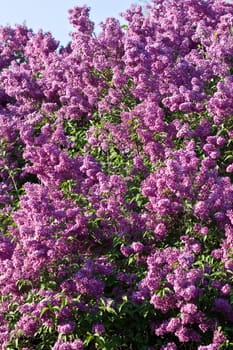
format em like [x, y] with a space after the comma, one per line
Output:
[51, 15]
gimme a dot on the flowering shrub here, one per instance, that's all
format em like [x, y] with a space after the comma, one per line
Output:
[116, 195]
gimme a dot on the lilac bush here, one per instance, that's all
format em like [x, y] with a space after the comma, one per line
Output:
[116, 195]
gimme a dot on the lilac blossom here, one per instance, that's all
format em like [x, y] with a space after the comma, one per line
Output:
[116, 179]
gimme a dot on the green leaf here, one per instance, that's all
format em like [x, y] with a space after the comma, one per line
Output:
[89, 338]
[43, 311]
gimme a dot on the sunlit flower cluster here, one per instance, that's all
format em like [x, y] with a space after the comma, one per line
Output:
[116, 194]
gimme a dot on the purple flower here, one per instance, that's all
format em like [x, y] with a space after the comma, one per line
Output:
[66, 328]
[137, 247]
[201, 209]
[189, 308]
[219, 338]
[160, 230]
[118, 138]
[126, 251]
[223, 306]
[173, 324]
[226, 289]
[28, 325]
[69, 345]
[229, 169]
[169, 346]
[98, 328]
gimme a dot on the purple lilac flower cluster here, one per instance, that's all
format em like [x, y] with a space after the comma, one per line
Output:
[116, 194]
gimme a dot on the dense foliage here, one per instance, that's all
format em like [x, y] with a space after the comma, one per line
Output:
[116, 195]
